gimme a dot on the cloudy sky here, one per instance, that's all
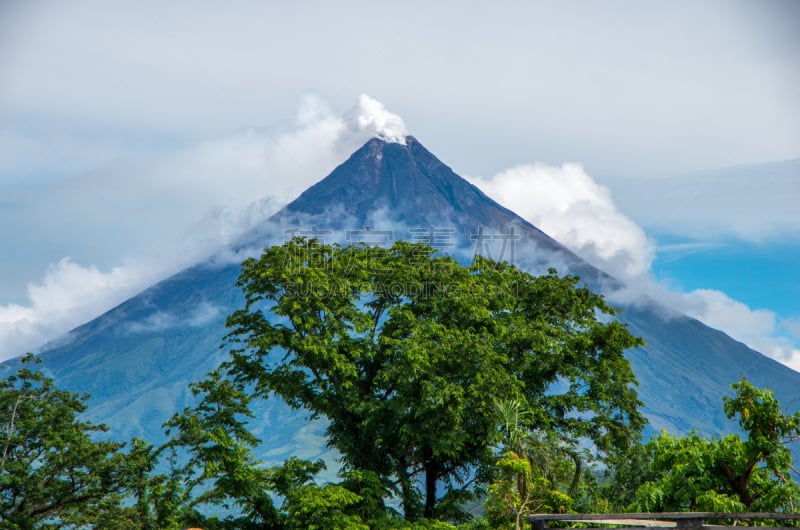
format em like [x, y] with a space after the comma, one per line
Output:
[660, 140]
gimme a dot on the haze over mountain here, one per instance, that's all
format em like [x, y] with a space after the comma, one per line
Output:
[137, 359]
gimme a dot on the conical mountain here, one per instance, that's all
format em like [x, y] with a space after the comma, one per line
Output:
[406, 189]
[408, 181]
[137, 359]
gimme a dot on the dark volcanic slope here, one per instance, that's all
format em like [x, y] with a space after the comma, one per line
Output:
[405, 179]
[137, 359]
[411, 188]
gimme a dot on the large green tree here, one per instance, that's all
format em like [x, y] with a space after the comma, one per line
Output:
[405, 352]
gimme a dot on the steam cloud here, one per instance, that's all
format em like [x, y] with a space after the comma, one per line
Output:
[370, 115]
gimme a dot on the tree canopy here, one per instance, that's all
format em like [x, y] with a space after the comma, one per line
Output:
[731, 473]
[51, 468]
[438, 382]
[405, 352]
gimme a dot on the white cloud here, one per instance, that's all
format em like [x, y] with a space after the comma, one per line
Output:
[758, 328]
[793, 326]
[781, 349]
[571, 207]
[720, 311]
[158, 321]
[68, 295]
[201, 315]
[567, 204]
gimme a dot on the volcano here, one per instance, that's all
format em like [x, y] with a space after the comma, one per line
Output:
[137, 359]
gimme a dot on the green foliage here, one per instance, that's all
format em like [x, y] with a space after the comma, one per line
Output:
[309, 506]
[154, 499]
[52, 471]
[614, 488]
[222, 473]
[404, 352]
[535, 472]
[221, 469]
[727, 474]
[512, 493]
[768, 429]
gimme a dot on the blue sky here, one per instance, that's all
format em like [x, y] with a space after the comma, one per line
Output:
[760, 274]
[658, 139]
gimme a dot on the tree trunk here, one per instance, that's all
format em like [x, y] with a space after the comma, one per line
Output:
[431, 468]
[741, 483]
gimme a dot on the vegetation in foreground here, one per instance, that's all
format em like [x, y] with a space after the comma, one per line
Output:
[456, 395]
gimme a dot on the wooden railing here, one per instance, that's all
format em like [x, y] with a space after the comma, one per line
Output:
[658, 520]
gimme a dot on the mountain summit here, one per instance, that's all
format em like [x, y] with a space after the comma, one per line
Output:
[405, 187]
[399, 177]
[137, 359]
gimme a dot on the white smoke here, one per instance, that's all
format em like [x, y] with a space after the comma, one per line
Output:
[371, 116]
